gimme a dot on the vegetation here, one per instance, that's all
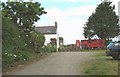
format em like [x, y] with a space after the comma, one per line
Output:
[101, 65]
[36, 40]
[50, 48]
[25, 14]
[92, 50]
[12, 42]
[20, 40]
[103, 22]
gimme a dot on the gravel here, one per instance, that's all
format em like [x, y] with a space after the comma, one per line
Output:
[59, 63]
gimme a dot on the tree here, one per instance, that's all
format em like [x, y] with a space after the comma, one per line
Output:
[23, 13]
[37, 40]
[103, 23]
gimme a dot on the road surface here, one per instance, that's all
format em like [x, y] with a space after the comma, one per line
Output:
[60, 63]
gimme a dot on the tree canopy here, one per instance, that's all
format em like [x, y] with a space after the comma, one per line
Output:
[103, 22]
[25, 14]
[19, 38]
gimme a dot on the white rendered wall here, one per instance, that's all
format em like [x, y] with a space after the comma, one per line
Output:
[48, 37]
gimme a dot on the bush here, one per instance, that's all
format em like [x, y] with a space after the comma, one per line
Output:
[37, 40]
[11, 37]
[16, 45]
[13, 44]
[7, 59]
[50, 49]
[10, 57]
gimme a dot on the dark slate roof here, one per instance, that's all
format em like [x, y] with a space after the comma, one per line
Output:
[47, 29]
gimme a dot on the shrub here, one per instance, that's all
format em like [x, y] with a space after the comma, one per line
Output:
[10, 57]
[17, 45]
[50, 48]
[37, 40]
[13, 44]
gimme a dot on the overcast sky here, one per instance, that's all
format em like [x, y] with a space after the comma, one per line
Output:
[70, 15]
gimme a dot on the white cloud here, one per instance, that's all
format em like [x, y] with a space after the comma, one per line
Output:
[71, 20]
[63, 1]
[56, 14]
[115, 2]
[81, 11]
[77, 0]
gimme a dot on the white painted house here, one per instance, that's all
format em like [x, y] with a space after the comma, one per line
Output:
[49, 32]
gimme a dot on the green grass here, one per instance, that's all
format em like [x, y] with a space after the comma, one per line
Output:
[94, 50]
[101, 65]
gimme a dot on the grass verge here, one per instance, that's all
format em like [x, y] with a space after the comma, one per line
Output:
[100, 65]
[93, 50]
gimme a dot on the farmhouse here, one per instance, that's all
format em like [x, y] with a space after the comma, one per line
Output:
[48, 31]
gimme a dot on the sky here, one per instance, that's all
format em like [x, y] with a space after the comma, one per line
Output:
[70, 15]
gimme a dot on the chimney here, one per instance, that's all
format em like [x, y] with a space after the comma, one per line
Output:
[30, 0]
[105, 0]
[20, 0]
[55, 24]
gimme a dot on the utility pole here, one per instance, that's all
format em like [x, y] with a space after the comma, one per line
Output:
[119, 18]
[57, 42]
[56, 26]
[119, 12]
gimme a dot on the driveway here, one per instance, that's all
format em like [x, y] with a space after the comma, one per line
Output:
[59, 63]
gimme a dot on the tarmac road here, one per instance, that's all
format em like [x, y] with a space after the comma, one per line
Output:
[59, 63]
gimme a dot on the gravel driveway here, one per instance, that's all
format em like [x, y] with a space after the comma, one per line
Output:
[60, 63]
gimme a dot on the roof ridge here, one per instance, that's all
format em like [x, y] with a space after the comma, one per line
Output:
[45, 26]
